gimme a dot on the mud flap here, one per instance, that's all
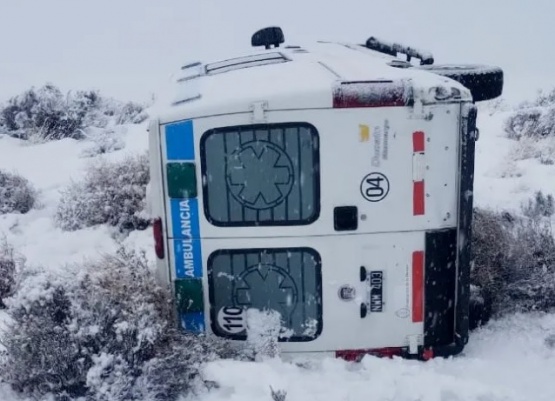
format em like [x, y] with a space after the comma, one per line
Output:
[440, 287]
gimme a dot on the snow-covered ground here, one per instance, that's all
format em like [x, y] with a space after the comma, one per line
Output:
[508, 360]
[502, 181]
[130, 48]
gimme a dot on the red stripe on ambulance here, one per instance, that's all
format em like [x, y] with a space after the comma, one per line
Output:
[417, 286]
[418, 168]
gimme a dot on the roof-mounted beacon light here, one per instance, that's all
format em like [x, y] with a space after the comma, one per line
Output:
[268, 37]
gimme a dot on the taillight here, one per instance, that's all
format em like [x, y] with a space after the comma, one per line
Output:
[357, 355]
[158, 237]
[372, 94]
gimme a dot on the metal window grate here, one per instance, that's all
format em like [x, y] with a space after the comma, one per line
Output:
[252, 175]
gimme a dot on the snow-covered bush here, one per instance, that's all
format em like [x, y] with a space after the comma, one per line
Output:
[109, 112]
[493, 106]
[8, 266]
[514, 257]
[533, 119]
[17, 194]
[105, 331]
[490, 247]
[111, 193]
[104, 140]
[278, 395]
[539, 207]
[47, 114]
[44, 113]
[263, 331]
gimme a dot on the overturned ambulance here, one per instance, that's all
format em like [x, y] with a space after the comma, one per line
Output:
[331, 183]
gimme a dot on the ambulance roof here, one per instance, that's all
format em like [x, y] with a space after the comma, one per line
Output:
[289, 77]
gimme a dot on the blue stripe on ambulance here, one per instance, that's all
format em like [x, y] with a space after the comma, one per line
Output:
[180, 146]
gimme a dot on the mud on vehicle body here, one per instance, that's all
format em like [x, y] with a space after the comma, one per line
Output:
[332, 183]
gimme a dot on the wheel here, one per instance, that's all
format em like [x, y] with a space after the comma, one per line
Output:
[484, 82]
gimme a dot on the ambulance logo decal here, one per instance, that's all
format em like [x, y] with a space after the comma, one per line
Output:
[259, 175]
[273, 280]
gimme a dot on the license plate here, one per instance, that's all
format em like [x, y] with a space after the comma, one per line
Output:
[376, 291]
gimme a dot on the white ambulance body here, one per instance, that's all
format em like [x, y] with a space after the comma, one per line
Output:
[325, 183]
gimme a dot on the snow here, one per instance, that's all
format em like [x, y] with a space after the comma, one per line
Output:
[507, 361]
[134, 54]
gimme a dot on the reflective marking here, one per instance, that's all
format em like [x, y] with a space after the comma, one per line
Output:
[418, 172]
[193, 322]
[180, 141]
[418, 198]
[418, 141]
[418, 286]
[418, 166]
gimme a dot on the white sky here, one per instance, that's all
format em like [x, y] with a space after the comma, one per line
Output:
[129, 48]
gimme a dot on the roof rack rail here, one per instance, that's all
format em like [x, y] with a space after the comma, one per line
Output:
[373, 43]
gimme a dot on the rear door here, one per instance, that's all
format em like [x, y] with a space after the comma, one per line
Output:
[320, 214]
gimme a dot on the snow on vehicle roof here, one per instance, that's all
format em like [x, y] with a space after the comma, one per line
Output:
[290, 77]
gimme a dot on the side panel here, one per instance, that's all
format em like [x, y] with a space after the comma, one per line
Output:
[156, 197]
[448, 289]
[468, 145]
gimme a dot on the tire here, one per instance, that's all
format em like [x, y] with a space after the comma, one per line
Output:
[484, 82]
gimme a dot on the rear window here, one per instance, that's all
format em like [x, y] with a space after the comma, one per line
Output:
[261, 175]
[287, 280]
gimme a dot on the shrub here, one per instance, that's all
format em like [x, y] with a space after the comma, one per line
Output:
[107, 334]
[8, 267]
[514, 257]
[533, 120]
[490, 251]
[46, 114]
[17, 195]
[104, 140]
[129, 113]
[538, 207]
[263, 331]
[43, 113]
[111, 193]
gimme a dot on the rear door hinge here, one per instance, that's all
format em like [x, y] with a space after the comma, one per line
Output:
[420, 110]
[414, 341]
[258, 110]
